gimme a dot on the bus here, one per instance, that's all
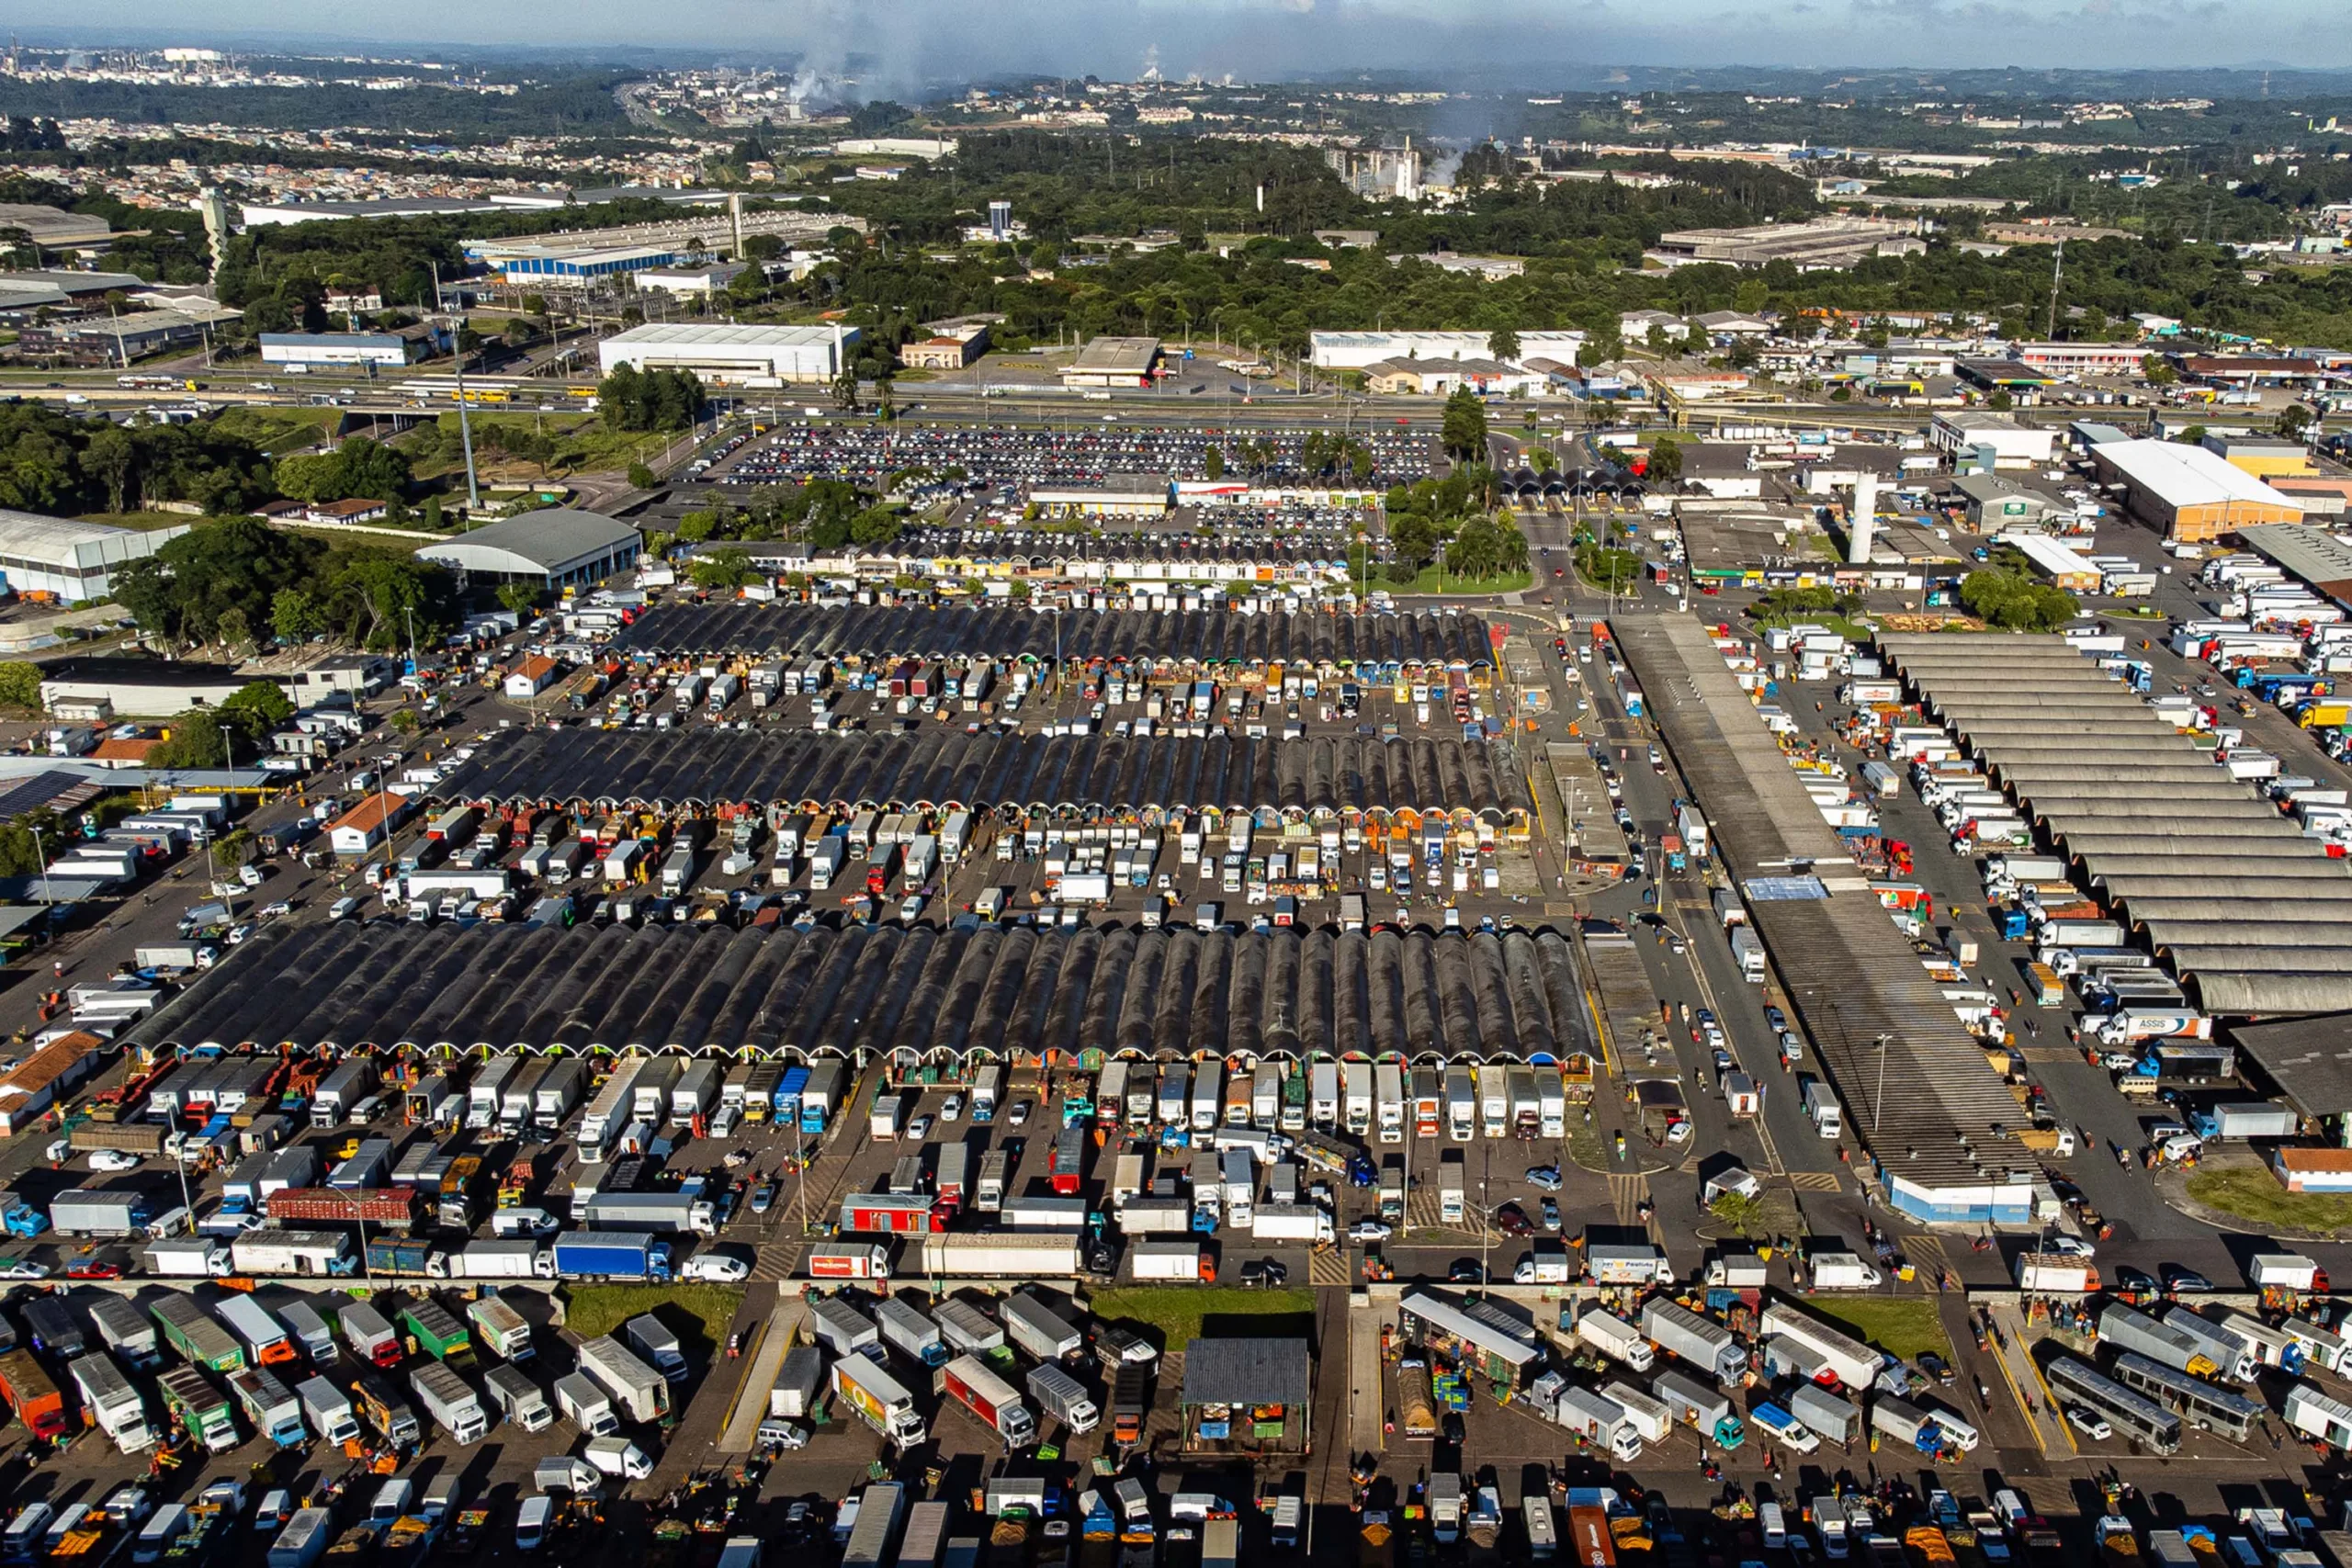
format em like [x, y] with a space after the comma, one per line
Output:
[2139, 1419]
[2203, 1404]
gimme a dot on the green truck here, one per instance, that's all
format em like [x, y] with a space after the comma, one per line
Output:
[440, 1332]
[199, 1406]
[196, 1335]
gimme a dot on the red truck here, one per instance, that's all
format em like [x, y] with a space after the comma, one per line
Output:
[394, 1208]
[31, 1394]
[889, 1213]
[1069, 1160]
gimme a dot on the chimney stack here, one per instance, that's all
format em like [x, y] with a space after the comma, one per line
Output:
[1861, 519]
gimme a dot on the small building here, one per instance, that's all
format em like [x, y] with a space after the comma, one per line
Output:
[2064, 568]
[342, 675]
[1635, 326]
[1692, 381]
[343, 514]
[140, 688]
[1998, 504]
[367, 825]
[951, 346]
[2187, 494]
[2011, 376]
[1729, 326]
[391, 351]
[1442, 378]
[2264, 457]
[2013, 446]
[1123, 362]
[50, 558]
[1119, 495]
[531, 677]
[745, 355]
[553, 548]
[1247, 1396]
[692, 282]
[2314, 1170]
[93, 343]
[2080, 358]
[45, 1078]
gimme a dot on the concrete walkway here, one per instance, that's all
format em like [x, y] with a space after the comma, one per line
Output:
[759, 1361]
[2051, 1434]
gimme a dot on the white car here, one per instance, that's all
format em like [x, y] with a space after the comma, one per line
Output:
[1370, 1230]
[910, 908]
[275, 910]
[2067, 1246]
[953, 1110]
[2089, 1423]
[716, 1269]
[113, 1161]
[22, 1268]
[919, 1129]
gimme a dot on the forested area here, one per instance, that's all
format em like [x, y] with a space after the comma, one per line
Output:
[582, 103]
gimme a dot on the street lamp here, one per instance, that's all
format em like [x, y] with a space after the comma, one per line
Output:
[229, 765]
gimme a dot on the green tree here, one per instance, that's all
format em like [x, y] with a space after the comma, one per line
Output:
[2157, 371]
[1665, 460]
[844, 392]
[875, 526]
[726, 568]
[263, 699]
[642, 477]
[1463, 429]
[696, 527]
[2010, 600]
[1502, 344]
[111, 459]
[187, 588]
[2293, 422]
[1213, 464]
[20, 684]
[523, 598]
[294, 615]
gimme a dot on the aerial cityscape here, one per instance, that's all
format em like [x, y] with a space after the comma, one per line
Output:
[1019, 785]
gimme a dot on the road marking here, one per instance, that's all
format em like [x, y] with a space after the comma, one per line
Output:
[1816, 1181]
[1327, 1266]
[1627, 1192]
[776, 1260]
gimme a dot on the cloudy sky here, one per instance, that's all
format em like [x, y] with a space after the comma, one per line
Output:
[933, 40]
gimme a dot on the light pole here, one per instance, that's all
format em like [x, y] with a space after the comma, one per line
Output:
[47, 899]
[366, 1269]
[1877, 1095]
[229, 766]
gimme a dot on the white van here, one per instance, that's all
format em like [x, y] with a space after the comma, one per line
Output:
[1776, 1526]
[163, 1526]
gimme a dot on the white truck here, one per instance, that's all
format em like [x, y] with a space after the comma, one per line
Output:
[1616, 1339]
[1290, 1222]
[518, 1398]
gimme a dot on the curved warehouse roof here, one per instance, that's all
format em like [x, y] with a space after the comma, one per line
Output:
[1199, 637]
[2295, 869]
[551, 540]
[2222, 846]
[914, 991]
[1088, 775]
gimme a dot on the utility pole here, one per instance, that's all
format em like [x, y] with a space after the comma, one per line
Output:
[2057, 275]
[465, 426]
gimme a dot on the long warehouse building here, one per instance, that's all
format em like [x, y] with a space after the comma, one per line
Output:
[1914, 1084]
[2251, 913]
[912, 995]
[1200, 639]
[1347, 776]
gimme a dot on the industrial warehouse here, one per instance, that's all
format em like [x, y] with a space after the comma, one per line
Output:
[1370, 646]
[912, 997]
[1351, 777]
[2250, 911]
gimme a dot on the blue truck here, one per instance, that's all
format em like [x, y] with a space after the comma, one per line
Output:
[612, 1254]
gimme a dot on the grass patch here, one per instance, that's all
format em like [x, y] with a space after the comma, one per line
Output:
[1900, 1325]
[143, 521]
[1434, 582]
[2253, 1193]
[1177, 1310]
[591, 1310]
[278, 430]
[583, 446]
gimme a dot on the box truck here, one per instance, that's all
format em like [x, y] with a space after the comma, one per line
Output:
[968, 1381]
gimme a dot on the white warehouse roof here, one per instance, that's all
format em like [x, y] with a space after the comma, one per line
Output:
[2180, 475]
[27, 537]
[772, 351]
[552, 541]
[2052, 557]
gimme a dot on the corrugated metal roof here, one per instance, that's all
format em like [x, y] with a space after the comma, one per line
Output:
[2231, 869]
[1247, 1372]
[1852, 978]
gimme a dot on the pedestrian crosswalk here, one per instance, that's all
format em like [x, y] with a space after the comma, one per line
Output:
[776, 1260]
[1327, 1266]
[1627, 1193]
[1815, 1180]
[1424, 1211]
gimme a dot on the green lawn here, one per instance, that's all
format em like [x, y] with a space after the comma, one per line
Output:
[583, 445]
[1900, 1325]
[2251, 1192]
[1177, 1310]
[1435, 583]
[591, 1310]
[278, 430]
[143, 521]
